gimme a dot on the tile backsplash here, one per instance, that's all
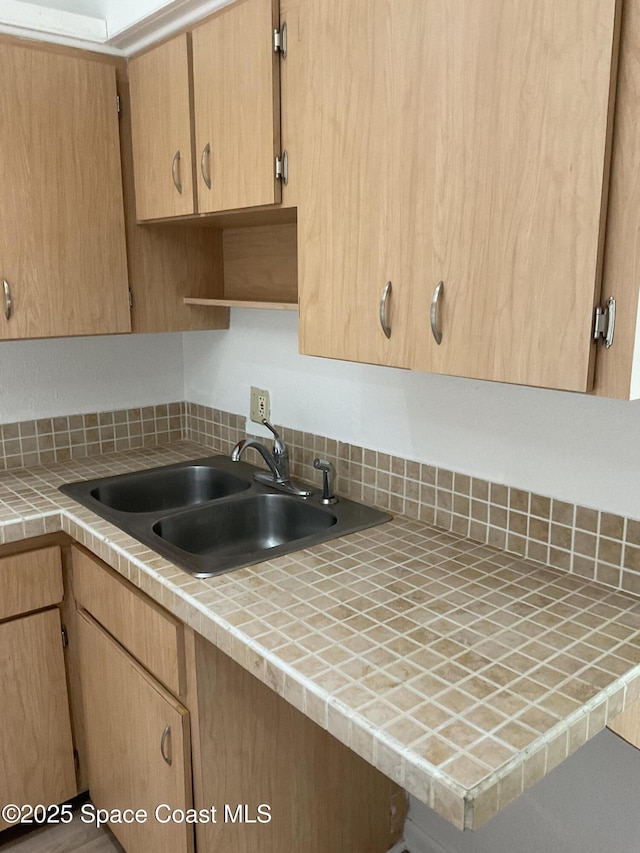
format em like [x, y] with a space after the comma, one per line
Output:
[47, 440]
[587, 542]
[593, 544]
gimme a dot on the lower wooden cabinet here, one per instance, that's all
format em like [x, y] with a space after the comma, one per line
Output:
[280, 783]
[37, 764]
[262, 777]
[138, 745]
[165, 724]
[36, 748]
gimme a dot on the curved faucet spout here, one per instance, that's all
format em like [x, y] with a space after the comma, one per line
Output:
[245, 444]
[278, 462]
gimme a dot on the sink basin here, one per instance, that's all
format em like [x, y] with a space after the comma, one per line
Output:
[244, 527]
[167, 488]
[210, 516]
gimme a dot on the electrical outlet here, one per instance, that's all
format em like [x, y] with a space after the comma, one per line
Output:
[260, 405]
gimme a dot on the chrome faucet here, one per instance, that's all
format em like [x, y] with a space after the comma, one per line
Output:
[277, 461]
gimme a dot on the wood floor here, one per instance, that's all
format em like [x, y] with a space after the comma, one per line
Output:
[75, 837]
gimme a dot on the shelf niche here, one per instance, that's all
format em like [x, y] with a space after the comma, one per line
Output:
[260, 269]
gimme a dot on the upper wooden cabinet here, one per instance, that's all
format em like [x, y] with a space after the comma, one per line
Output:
[469, 145]
[362, 168]
[236, 88]
[521, 194]
[161, 130]
[220, 86]
[62, 241]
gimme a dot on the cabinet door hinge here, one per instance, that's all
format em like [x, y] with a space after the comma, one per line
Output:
[605, 322]
[280, 41]
[282, 168]
[65, 636]
[118, 105]
[130, 299]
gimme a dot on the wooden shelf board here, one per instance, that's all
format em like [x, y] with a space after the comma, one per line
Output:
[242, 303]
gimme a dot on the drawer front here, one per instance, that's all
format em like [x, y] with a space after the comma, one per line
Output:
[132, 723]
[30, 581]
[154, 637]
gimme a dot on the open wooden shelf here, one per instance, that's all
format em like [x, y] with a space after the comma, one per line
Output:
[259, 270]
[242, 303]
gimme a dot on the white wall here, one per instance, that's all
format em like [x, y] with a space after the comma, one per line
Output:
[589, 804]
[571, 446]
[40, 379]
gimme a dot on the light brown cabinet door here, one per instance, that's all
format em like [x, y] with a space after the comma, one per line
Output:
[358, 76]
[521, 129]
[36, 750]
[459, 142]
[133, 726]
[62, 243]
[161, 130]
[237, 107]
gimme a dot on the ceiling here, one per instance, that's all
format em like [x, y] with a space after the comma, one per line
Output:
[110, 26]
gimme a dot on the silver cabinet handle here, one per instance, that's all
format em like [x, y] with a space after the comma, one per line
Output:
[166, 734]
[437, 334]
[8, 304]
[204, 165]
[384, 306]
[174, 171]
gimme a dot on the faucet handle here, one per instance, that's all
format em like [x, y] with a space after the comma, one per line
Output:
[271, 427]
[278, 443]
[279, 447]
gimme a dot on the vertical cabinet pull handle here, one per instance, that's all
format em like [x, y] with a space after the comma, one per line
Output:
[384, 309]
[175, 173]
[437, 334]
[204, 165]
[166, 734]
[8, 304]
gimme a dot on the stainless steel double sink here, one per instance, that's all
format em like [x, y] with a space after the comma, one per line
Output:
[210, 516]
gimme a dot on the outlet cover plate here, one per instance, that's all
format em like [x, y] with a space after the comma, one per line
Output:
[260, 405]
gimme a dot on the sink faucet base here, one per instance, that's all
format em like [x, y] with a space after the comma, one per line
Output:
[277, 460]
[287, 486]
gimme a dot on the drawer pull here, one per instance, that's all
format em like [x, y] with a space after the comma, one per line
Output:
[437, 334]
[384, 306]
[204, 166]
[174, 171]
[166, 735]
[8, 305]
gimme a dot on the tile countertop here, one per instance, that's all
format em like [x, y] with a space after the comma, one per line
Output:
[463, 673]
